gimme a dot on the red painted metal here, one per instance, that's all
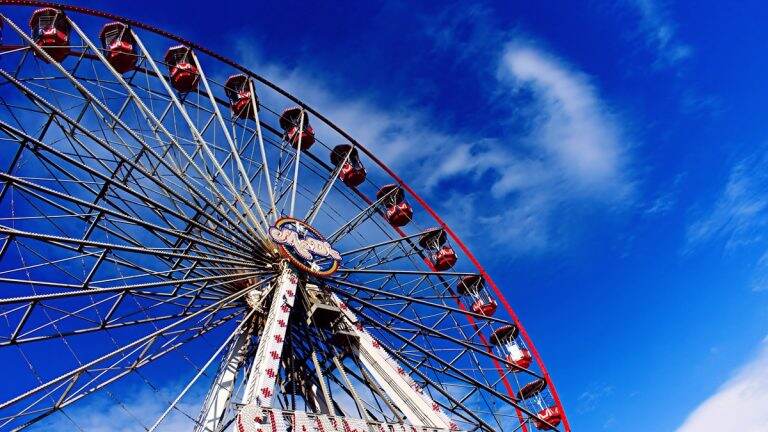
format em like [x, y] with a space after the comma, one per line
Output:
[117, 41]
[182, 68]
[520, 357]
[238, 91]
[483, 308]
[306, 137]
[421, 201]
[400, 214]
[352, 173]
[290, 121]
[51, 36]
[444, 258]
[551, 415]
[487, 278]
[351, 176]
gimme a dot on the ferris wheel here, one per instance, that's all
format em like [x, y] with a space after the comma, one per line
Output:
[176, 226]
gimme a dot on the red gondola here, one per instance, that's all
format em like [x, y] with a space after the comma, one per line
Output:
[551, 415]
[483, 307]
[119, 46]
[50, 31]
[502, 334]
[399, 212]
[532, 389]
[238, 89]
[291, 120]
[517, 355]
[441, 254]
[353, 172]
[182, 68]
[474, 286]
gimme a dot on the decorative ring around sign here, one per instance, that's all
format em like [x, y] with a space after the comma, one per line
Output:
[302, 245]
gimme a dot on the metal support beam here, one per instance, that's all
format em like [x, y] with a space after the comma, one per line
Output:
[418, 407]
[264, 370]
[219, 398]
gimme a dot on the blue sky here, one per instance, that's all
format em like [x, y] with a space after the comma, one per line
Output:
[605, 159]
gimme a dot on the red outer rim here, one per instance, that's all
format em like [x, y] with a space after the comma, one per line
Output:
[487, 278]
[398, 180]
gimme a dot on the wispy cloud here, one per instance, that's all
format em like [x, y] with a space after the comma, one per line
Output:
[666, 199]
[739, 404]
[466, 30]
[661, 205]
[572, 149]
[590, 399]
[660, 33]
[135, 409]
[739, 216]
[574, 129]
[400, 136]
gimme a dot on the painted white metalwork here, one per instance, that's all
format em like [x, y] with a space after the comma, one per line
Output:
[221, 393]
[226, 386]
[264, 162]
[350, 387]
[148, 194]
[422, 412]
[253, 418]
[274, 420]
[295, 184]
[199, 138]
[266, 363]
[408, 396]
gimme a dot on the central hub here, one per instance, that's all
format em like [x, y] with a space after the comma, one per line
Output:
[305, 247]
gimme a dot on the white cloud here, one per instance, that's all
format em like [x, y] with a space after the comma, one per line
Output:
[739, 217]
[660, 33]
[661, 205]
[760, 277]
[667, 198]
[739, 404]
[131, 409]
[465, 30]
[575, 148]
[576, 131]
[740, 213]
[593, 396]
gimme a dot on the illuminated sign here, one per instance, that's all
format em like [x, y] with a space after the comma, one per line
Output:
[305, 247]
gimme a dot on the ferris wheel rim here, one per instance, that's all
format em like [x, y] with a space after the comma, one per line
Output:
[357, 145]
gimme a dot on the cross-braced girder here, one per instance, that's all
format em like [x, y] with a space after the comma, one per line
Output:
[134, 241]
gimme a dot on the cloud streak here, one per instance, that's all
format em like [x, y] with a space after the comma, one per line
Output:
[136, 411]
[660, 33]
[739, 216]
[575, 132]
[739, 404]
[574, 148]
